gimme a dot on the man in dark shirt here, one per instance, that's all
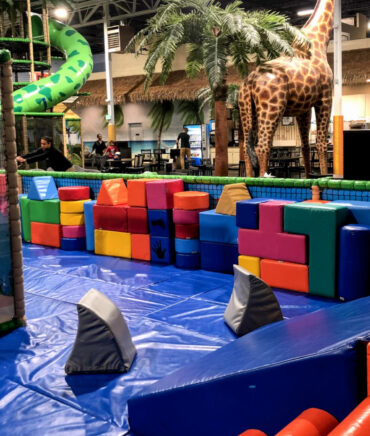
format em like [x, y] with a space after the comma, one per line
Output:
[99, 145]
[54, 158]
[184, 140]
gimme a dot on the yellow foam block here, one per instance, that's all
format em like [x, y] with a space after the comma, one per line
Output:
[72, 206]
[72, 219]
[251, 264]
[231, 194]
[111, 243]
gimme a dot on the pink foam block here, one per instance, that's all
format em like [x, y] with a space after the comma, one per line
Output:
[276, 246]
[160, 193]
[271, 216]
[186, 216]
[73, 232]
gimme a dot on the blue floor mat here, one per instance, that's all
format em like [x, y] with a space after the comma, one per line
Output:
[174, 316]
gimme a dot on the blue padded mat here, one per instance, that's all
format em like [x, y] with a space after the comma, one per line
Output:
[175, 317]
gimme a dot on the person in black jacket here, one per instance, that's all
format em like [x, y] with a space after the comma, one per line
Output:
[54, 158]
[184, 140]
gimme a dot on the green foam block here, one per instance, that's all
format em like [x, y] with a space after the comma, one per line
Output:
[321, 223]
[46, 211]
[26, 221]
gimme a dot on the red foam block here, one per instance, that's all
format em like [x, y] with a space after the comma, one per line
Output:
[160, 193]
[138, 220]
[271, 216]
[186, 231]
[112, 218]
[186, 216]
[74, 193]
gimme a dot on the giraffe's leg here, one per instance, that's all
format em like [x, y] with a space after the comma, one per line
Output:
[245, 110]
[322, 111]
[304, 121]
[266, 132]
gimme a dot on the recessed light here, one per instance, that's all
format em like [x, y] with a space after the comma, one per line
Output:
[305, 12]
[61, 13]
[368, 80]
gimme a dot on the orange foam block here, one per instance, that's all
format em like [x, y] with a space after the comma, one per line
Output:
[191, 200]
[285, 275]
[316, 201]
[253, 432]
[140, 246]
[311, 422]
[45, 234]
[112, 193]
[357, 423]
[137, 192]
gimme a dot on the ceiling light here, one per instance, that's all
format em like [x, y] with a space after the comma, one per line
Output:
[368, 25]
[368, 80]
[61, 13]
[305, 12]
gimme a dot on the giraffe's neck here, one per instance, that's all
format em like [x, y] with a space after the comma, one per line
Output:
[319, 25]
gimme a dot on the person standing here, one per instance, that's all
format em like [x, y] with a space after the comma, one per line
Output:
[99, 145]
[184, 140]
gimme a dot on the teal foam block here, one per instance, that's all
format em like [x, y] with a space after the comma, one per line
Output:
[216, 227]
[187, 246]
[42, 188]
[89, 225]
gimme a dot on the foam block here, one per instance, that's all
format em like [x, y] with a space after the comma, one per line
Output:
[251, 264]
[73, 232]
[160, 193]
[321, 222]
[113, 192]
[316, 201]
[45, 234]
[42, 188]
[113, 243]
[89, 224]
[231, 194]
[26, 222]
[271, 216]
[73, 244]
[140, 246]
[72, 219]
[161, 249]
[354, 262]
[187, 231]
[186, 216]
[187, 261]
[72, 206]
[191, 200]
[160, 222]
[215, 256]
[359, 211]
[216, 227]
[74, 193]
[113, 218]
[277, 246]
[285, 275]
[247, 212]
[137, 220]
[187, 246]
[312, 422]
[136, 189]
[47, 211]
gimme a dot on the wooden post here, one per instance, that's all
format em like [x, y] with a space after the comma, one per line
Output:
[45, 25]
[29, 22]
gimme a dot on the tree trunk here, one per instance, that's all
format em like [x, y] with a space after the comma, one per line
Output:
[2, 25]
[222, 163]
[21, 24]
[241, 138]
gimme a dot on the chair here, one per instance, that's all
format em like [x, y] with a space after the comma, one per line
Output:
[147, 155]
[138, 165]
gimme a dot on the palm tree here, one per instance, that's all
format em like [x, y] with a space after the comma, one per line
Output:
[214, 36]
[161, 114]
[190, 111]
[118, 116]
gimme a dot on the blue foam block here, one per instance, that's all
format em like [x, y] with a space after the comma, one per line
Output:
[247, 215]
[188, 261]
[218, 257]
[89, 225]
[42, 188]
[73, 244]
[160, 222]
[216, 227]
[187, 246]
[359, 210]
[161, 249]
[354, 262]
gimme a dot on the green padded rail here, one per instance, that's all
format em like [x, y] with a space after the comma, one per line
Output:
[46, 211]
[24, 40]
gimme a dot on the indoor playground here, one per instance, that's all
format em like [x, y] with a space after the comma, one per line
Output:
[168, 301]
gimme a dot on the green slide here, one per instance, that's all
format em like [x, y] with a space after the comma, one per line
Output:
[49, 91]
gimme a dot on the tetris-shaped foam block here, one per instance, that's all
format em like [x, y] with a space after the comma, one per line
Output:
[74, 193]
[72, 219]
[73, 232]
[45, 234]
[137, 192]
[216, 256]
[187, 261]
[321, 222]
[160, 222]
[216, 227]
[271, 215]
[186, 216]
[359, 211]
[160, 193]
[72, 206]
[285, 275]
[140, 246]
[42, 188]
[251, 264]
[47, 211]
[89, 224]
[191, 200]
[354, 262]
[26, 221]
[161, 249]
[187, 246]
[247, 212]
[187, 231]
[231, 194]
[109, 243]
[73, 244]
[137, 220]
[113, 192]
[113, 218]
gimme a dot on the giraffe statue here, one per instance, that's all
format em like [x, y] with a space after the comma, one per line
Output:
[291, 86]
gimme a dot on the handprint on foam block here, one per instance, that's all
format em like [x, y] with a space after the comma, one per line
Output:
[158, 250]
[159, 222]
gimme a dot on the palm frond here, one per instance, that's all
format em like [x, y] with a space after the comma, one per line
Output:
[190, 112]
[194, 61]
[215, 59]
